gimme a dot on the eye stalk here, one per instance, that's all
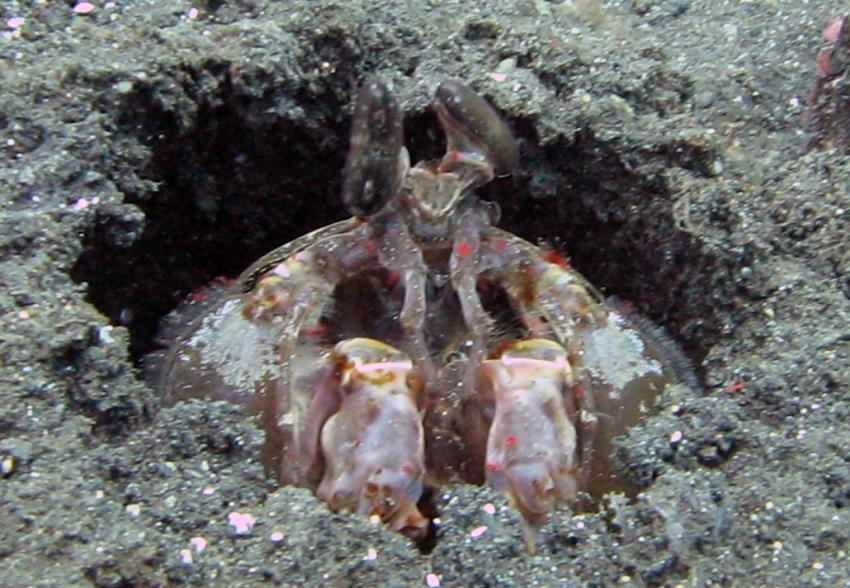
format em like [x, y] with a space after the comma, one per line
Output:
[377, 160]
[477, 139]
[378, 180]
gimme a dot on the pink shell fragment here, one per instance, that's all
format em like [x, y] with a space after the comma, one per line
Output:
[84, 8]
[478, 532]
[241, 522]
[830, 33]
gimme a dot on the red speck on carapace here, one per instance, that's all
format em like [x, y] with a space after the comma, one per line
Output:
[316, 332]
[463, 249]
[392, 279]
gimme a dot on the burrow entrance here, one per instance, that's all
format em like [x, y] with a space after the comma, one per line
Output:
[234, 184]
[237, 182]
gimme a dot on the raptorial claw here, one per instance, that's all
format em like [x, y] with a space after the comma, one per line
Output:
[531, 448]
[373, 447]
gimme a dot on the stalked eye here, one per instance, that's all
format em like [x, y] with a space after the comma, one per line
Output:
[472, 125]
[372, 175]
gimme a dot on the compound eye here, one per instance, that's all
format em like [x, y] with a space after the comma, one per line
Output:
[374, 168]
[472, 125]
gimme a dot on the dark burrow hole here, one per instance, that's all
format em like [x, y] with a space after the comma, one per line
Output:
[229, 189]
[235, 185]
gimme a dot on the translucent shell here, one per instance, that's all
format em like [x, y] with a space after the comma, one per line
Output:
[416, 343]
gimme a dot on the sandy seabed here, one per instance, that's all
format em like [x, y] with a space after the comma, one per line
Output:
[148, 147]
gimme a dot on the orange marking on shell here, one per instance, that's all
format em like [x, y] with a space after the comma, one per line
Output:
[526, 287]
[557, 258]
[371, 247]
[500, 348]
[392, 279]
[510, 440]
[376, 378]
[500, 246]
[494, 466]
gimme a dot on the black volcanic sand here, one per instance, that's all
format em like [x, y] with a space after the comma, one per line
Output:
[145, 153]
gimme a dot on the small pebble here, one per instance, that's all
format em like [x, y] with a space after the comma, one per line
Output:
[104, 335]
[7, 466]
[704, 99]
[124, 87]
